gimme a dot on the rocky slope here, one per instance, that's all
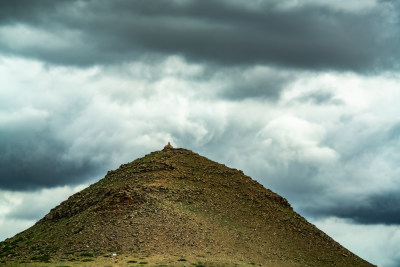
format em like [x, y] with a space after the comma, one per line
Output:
[177, 204]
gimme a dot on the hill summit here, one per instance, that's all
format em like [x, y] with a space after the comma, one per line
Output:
[173, 208]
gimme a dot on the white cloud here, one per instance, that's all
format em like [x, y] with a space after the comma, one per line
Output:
[23, 117]
[297, 139]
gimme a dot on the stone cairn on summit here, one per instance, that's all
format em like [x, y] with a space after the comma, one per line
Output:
[168, 146]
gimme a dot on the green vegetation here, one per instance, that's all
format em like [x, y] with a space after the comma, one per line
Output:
[7, 247]
[80, 229]
[41, 258]
[87, 254]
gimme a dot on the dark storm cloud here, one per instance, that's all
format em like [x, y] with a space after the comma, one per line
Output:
[34, 159]
[223, 32]
[25, 10]
[256, 84]
[384, 208]
[372, 159]
[320, 98]
[393, 134]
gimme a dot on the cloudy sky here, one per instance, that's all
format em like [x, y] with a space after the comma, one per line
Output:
[302, 95]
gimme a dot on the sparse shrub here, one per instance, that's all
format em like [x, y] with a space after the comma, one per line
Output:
[29, 236]
[7, 246]
[132, 261]
[87, 254]
[79, 230]
[113, 249]
[143, 262]
[182, 259]
[86, 260]
[41, 258]
[19, 239]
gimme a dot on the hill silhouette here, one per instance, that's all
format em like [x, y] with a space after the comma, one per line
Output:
[175, 207]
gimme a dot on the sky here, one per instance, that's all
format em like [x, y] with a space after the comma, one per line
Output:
[302, 95]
